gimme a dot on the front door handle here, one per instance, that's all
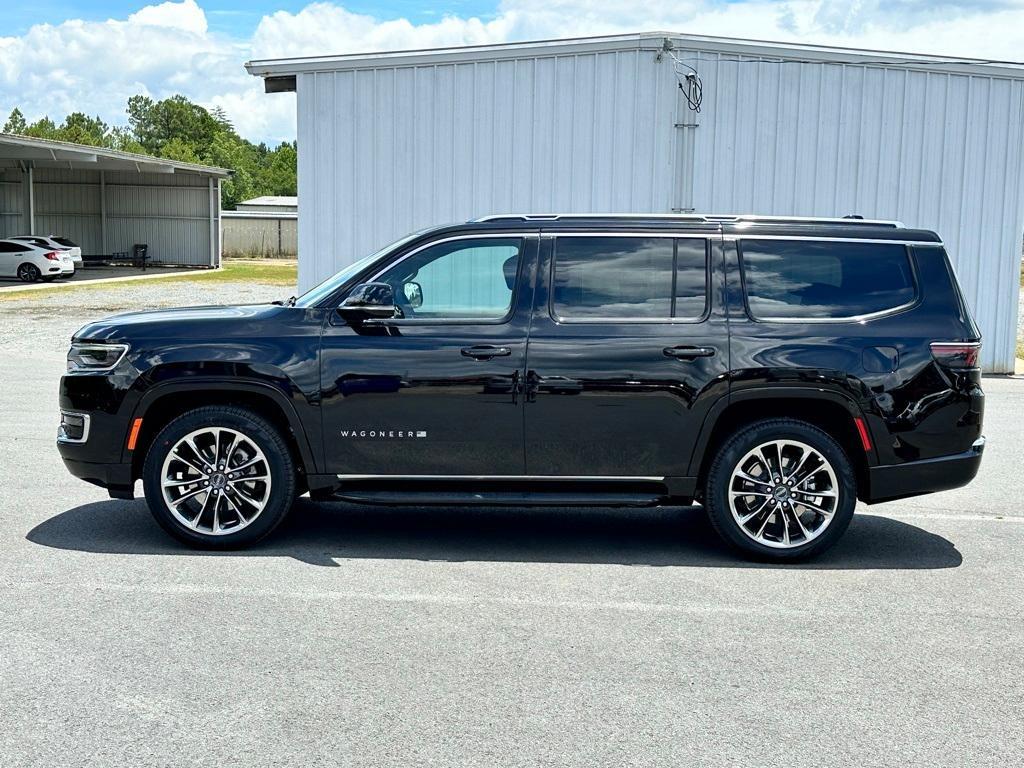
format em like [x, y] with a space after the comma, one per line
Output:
[485, 352]
[688, 353]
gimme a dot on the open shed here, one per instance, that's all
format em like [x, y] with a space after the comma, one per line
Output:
[107, 201]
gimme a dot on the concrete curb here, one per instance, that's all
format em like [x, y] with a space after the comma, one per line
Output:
[102, 281]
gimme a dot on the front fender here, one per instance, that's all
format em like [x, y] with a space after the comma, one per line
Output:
[301, 413]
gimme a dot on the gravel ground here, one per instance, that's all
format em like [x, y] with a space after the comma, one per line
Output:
[46, 322]
[385, 637]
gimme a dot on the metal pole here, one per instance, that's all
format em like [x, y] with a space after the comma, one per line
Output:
[104, 249]
[213, 224]
[30, 200]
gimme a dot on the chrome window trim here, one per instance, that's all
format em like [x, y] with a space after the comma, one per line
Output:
[830, 320]
[674, 234]
[504, 319]
[87, 423]
[827, 239]
[645, 478]
[706, 236]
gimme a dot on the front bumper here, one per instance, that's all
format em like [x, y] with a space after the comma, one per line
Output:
[96, 452]
[914, 478]
[116, 478]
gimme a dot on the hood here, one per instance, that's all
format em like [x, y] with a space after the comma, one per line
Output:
[179, 321]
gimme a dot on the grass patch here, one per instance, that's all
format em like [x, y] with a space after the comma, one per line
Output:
[264, 272]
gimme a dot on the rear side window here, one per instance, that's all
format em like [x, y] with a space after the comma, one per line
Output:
[825, 280]
[13, 248]
[629, 278]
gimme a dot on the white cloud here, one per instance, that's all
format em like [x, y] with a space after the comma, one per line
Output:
[185, 15]
[168, 48]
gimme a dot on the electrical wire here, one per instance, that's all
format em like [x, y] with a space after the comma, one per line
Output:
[689, 82]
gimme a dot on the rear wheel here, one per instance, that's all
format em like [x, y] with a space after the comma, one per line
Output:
[29, 273]
[781, 490]
[219, 477]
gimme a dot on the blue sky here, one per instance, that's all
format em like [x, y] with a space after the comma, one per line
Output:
[59, 56]
[234, 18]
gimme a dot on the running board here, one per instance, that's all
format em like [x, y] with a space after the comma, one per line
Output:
[500, 498]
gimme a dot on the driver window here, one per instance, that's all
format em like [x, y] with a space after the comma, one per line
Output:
[457, 280]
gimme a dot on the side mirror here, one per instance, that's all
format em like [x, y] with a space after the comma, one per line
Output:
[369, 301]
[413, 294]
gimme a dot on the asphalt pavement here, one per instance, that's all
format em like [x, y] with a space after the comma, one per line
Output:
[384, 637]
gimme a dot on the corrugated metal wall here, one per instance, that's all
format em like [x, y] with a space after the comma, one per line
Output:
[12, 202]
[387, 150]
[264, 235]
[169, 212]
[934, 150]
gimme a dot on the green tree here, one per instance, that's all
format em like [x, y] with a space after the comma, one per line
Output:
[155, 123]
[82, 129]
[44, 128]
[177, 129]
[16, 122]
[277, 170]
[179, 149]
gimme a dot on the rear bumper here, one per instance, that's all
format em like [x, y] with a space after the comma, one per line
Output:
[913, 478]
[116, 478]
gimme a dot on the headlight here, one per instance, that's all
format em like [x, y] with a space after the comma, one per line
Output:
[95, 357]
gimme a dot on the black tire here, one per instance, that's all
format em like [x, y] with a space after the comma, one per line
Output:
[256, 429]
[719, 478]
[29, 273]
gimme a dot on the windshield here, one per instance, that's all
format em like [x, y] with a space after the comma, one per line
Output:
[314, 296]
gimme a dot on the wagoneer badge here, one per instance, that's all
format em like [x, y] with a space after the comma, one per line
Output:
[385, 434]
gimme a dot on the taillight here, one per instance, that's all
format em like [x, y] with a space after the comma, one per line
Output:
[956, 354]
[52, 256]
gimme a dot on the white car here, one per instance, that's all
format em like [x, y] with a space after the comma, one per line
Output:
[56, 243]
[30, 262]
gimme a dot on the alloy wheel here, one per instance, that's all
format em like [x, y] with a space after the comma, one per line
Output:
[28, 273]
[783, 494]
[216, 481]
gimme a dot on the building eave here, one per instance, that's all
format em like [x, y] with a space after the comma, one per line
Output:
[280, 74]
[66, 154]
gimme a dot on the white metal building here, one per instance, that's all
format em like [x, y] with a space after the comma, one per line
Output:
[270, 204]
[108, 201]
[392, 142]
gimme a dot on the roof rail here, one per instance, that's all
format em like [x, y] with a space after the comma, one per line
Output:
[702, 217]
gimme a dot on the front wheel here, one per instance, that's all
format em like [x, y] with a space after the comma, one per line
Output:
[781, 490]
[219, 477]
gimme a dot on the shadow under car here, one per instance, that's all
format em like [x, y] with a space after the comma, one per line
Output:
[319, 533]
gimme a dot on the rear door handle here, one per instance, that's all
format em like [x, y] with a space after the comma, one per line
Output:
[688, 353]
[485, 352]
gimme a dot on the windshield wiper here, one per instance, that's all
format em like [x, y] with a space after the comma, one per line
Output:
[290, 302]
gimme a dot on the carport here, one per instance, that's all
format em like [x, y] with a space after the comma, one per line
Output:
[109, 201]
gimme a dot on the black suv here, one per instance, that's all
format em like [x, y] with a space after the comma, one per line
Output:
[774, 369]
